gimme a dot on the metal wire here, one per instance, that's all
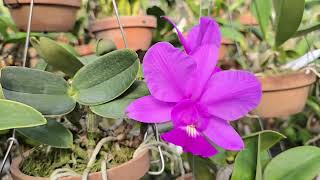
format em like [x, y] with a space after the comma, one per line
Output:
[11, 141]
[156, 134]
[26, 47]
[119, 22]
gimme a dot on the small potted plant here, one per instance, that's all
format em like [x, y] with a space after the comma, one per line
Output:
[285, 87]
[48, 15]
[92, 143]
[138, 27]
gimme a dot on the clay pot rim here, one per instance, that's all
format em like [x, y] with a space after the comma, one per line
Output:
[85, 49]
[301, 79]
[15, 165]
[71, 3]
[248, 19]
[127, 21]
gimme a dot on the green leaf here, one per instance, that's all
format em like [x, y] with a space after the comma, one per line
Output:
[268, 138]
[288, 18]
[299, 163]
[259, 166]
[1, 93]
[53, 134]
[58, 56]
[106, 78]
[44, 91]
[307, 30]
[235, 35]
[246, 162]
[116, 108]
[203, 168]
[262, 10]
[41, 65]
[136, 7]
[124, 7]
[88, 59]
[249, 162]
[18, 115]
[105, 46]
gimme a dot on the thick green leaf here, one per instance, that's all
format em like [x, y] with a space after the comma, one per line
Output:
[288, 18]
[58, 56]
[106, 78]
[116, 108]
[268, 138]
[202, 168]
[88, 59]
[246, 162]
[105, 46]
[300, 163]
[53, 134]
[262, 10]
[250, 161]
[44, 91]
[18, 115]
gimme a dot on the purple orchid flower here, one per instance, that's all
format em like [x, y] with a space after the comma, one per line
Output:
[200, 99]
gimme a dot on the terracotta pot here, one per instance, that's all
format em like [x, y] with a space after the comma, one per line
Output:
[138, 30]
[284, 95]
[132, 170]
[84, 50]
[48, 15]
[224, 48]
[248, 19]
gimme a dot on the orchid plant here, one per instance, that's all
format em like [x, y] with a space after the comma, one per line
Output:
[187, 88]
[76, 91]
[279, 32]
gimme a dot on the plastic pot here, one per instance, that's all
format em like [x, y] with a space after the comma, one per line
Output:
[48, 15]
[284, 95]
[138, 30]
[134, 169]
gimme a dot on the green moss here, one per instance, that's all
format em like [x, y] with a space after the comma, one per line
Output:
[41, 163]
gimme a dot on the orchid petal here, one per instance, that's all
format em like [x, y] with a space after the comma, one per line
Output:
[206, 58]
[180, 35]
[150, 110]
[167, 69]
[207, 33]
[222, 134]
[230, 95]
[196, 145]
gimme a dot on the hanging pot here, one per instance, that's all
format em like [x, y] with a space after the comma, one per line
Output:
[134, 169]
[48, 15]
[138, 30]
[284, 95]
[225, 43]
[248, 19]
